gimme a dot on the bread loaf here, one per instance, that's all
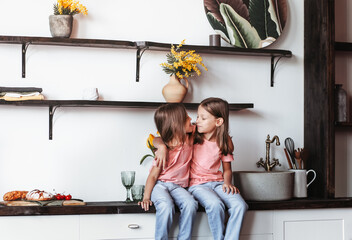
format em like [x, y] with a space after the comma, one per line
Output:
[37, 195]
[15, 195]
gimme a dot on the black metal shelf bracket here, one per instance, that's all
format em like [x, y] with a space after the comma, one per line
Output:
[140, 51]
[24, 51]
[273, 67]
[52, 110]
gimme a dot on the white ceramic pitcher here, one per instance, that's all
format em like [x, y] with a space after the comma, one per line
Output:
[300, 182]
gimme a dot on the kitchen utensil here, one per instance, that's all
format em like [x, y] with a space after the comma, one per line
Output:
[304, 155]
[127, 178]
[288, 158]
[290, 146]
[298, 158]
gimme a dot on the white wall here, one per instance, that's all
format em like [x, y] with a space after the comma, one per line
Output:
[343, 139]
[91, 146]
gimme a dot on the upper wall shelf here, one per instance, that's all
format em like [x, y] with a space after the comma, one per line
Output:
[140, 47]
[54, 104]
[343, 46]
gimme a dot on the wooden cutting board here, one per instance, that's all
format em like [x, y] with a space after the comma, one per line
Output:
[44, 203]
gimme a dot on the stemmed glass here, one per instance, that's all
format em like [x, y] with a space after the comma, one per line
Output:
[127, 178]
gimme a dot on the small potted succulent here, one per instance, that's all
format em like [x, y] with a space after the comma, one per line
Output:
[62, 20]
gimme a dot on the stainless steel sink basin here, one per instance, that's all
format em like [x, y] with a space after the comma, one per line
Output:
[264, 186]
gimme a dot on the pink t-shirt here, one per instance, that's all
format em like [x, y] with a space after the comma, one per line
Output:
[178, 164]
[206, 162]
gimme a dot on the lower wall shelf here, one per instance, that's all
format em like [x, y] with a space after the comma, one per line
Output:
[54, 104]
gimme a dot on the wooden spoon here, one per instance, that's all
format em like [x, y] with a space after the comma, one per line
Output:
[298, 158]
[304, 156]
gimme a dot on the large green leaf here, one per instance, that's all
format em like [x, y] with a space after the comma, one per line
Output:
[213, 6]
[280, 7]
[240, 31]
[218, 26]
[263, 18]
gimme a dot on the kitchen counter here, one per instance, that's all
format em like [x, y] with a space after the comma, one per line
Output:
[123, 208]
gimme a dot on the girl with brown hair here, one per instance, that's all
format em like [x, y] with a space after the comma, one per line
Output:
[165, 187]
[213, 189]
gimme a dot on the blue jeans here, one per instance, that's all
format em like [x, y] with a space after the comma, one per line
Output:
[164, 196]
[211, 196]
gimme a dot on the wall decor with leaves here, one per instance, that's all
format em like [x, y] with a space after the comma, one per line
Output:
[247, 23]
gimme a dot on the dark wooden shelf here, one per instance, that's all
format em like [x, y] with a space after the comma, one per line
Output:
[343, 46]
[54, 104]
[102, 43]
[117, 104]
[68, 42]
[125, 208]
[154, 46]
[140, 47]
[344, 125]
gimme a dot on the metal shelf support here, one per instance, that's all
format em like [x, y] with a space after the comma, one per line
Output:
[140, 52]
[52, 110]
[273, 67]
[24, 51]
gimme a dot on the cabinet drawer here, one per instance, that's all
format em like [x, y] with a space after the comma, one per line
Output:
[39, 227]
[134, 226]
[117, 226]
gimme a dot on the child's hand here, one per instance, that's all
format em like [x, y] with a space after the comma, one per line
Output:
[161, 157]
[229, 188]
[145, 204]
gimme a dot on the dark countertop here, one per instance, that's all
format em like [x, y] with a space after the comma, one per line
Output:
[122, 207]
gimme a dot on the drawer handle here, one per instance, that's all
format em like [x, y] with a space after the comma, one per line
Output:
[133, 226]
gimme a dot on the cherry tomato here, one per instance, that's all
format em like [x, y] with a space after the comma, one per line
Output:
[62, 197]
[58, 196]
[68, 197]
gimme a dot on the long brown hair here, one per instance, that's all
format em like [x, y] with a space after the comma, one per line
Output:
[219, 108]
[170, 121]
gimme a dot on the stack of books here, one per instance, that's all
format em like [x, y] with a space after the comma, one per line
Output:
[20, 93]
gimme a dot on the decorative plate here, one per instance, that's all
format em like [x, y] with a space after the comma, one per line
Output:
[247, 23]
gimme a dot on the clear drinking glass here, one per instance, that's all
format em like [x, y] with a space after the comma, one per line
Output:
[137, 192]
[127, 178]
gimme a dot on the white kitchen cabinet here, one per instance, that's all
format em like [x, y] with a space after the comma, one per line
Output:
[317, 224]
[39, 228]
[257, 225]
[117, 226]
[305, 224]
[120, 226]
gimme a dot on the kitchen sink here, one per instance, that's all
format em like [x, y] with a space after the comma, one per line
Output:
[264, 186]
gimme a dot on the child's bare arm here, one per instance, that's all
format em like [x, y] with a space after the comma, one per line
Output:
[151, 180]
[227, 173]
[161, 152]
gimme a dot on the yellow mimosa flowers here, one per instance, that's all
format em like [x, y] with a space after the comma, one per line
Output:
[69, 7]
[182, 63]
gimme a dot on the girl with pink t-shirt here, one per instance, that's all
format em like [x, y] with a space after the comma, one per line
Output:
[212, 188]
[165, 187]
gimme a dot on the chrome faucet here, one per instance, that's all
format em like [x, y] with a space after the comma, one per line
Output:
[267, 165]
